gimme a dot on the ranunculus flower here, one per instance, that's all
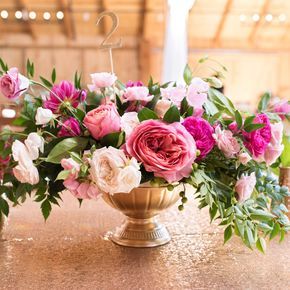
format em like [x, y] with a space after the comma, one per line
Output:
[245, 186]
[244, 157]
[101, 80]
[70, 127]
[161, 107]
[43, 116]
[113, 172]
[201, 131]
[128, 122]
[102, 121]
[257, 141]
[168, 150]
[62, 95]
[137, 94]
[226, 142]
[13, 84]
[134, 84]
[174, 94]
[197, 93]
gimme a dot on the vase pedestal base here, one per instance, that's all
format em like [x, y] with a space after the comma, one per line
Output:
[141, 233]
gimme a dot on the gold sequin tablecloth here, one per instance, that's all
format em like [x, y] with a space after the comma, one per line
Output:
[71, 251]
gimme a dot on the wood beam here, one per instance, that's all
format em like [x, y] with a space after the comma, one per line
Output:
[222, 22]
[258, 23]
[68, 20]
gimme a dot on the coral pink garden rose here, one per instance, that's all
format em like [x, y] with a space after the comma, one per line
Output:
[13, 84]
[168, 150]
[103, 120]
[245, 186]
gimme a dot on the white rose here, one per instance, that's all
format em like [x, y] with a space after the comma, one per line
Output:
[128, 122]
[34, 143]
[112, 172]
[43, 116]
[162, 107]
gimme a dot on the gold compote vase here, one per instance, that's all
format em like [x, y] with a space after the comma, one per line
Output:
[141, 207]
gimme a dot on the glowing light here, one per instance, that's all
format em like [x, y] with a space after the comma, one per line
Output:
[4, 14]
[32, 15]
[282, 17]
[243, 17]
[269, 17]
[8, 113]
[18, 14]
[256, 17]
[59, 15]
[46, 15]
[86, 16]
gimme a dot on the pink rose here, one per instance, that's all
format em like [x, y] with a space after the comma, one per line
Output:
[162, 106]
[197, 93]
[257, 141]
[69, 127]
[174, 94]
[198, 112]
[102, 121]
[234, 127]
[201, 131]
[226, 142]
[245, 186]
[82, 190]
[244, 158]
[101, 80]
[13, 84]
[282, 108]
[137, 94]
[168, 150]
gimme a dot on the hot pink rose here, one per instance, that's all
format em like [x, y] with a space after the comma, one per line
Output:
[168, 150]
[102, 121]
[245, 186]
[13, 84]
[234, 127]
[137, 94]
[101, 80]
[257, 141]
[201, 131]
[197, 93]
[226, 142]
[70, 127]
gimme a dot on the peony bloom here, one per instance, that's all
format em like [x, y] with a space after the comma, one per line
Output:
[101, 80]
[128, 122]
[226, 142]
[201, 131]
[130, 84]
[161, 107]
[63, 94]
[43, 116]
[197, 93]
[69, 127]
[13, 84]
[245, 186]
[257, 141]
[168, 150]
[102, 121]
[244, 157]
[113, 172]
[137, 94]
[174, 94]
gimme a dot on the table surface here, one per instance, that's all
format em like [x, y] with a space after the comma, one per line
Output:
[72, 251]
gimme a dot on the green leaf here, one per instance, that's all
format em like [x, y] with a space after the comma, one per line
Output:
[64, 147]
[275, 231]
[63, 175]
[253, 127]
[187, 75]
[239, 119]
[3, 65]
[249, 120]
[221, 101]
[228, 233]
[261, 245]
[285, 156]
[249, 236]
[262, 106]
[53, 76]
[113, 139]
[146, 114]
[4, 207]
[46, 82]
[46, 209]
[172, 115]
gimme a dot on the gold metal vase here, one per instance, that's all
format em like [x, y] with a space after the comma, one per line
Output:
[141, 207]
[285, 180]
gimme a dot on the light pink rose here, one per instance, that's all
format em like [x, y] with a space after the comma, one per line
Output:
[197, 93]
[13, 84]
[168, 150]
[128, 122]
[245, 186]
[244, 158]
[162, 106]
[174, 94]
[101, 80]
[226, 142]
[83, 190]
[137, 94]
[102, 121]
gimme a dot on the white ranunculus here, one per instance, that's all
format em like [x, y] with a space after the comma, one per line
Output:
[34, 143]
[43, 116]
[113, 172]
[128, 122]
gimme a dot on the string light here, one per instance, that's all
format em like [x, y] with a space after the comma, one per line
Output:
[8, 113]
[59, 15]
[269, 17]
[46, 15]
[18, 14]
[243, 17]
[32, 15]
[282, 17]
[4, 14]
[256, 17]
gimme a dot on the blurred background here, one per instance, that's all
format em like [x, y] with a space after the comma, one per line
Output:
[251, 38]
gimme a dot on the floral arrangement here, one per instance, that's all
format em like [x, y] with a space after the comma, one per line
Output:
[113, 137]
